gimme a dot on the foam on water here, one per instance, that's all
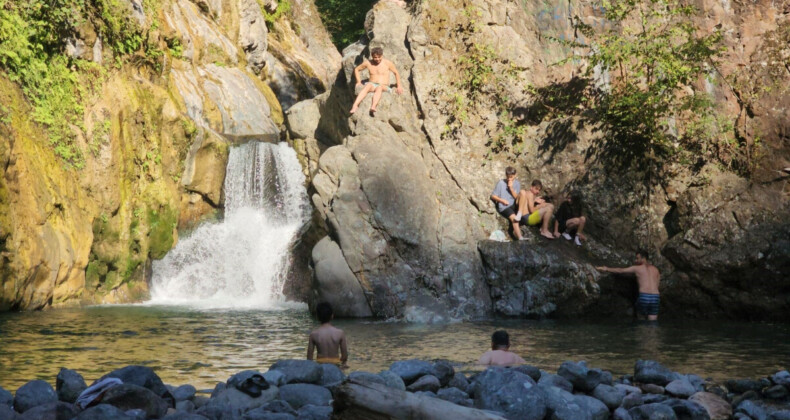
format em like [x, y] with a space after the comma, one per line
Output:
[241, 261]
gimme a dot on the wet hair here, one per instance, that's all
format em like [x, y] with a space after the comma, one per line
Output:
[643, 253]
[510, 171]
[376, 51]
[324, 312]
[500, 339]
[537, 183]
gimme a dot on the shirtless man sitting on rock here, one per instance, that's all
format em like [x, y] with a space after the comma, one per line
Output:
[379, 69]
[648, 277]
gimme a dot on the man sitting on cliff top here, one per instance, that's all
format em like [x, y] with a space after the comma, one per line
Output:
[648, 277]
[379, 69]
[510, 200]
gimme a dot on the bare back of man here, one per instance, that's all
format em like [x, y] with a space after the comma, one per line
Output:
[648, 278]
[330, 344]
[500, 358]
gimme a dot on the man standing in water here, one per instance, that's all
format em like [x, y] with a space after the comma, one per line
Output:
[379, 69]
[648, 277]
[330, 342]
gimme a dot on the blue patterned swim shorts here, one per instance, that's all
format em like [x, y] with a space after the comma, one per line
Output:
[648, 303]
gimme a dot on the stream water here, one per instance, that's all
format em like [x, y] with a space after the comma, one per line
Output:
[202, 347]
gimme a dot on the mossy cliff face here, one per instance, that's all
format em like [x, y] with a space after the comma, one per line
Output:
[483, 93]
[156, 126]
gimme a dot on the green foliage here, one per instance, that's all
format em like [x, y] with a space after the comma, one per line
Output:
[344, 19]
[283, 7]
[652, 55]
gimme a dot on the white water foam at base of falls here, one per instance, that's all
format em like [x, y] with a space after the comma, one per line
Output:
[240, 262]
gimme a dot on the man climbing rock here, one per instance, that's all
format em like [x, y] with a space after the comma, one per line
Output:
[648, 277]
[379, 69]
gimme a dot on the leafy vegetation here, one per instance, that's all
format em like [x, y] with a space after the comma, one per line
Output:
[32, 34]
[652, 55]
[344, 19]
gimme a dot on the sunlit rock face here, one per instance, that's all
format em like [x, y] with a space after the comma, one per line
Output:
[405, 193]
[156, 144]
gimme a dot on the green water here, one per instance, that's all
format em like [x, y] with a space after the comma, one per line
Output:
[204, 347]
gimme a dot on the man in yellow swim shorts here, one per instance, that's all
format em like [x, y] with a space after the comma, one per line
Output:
[540, 211]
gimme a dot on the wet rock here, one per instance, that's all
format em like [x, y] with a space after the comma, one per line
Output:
[680, 388]
[33, 394]
[259, 414]
[528, 370]
[740, 386]
[236, 399]
[219, 411]
[455, 396]
[186, 406]
[299, 371]
[653, 398]
[748, 395]
[605, 375]
[563, 405]
[443, 371]
[717, 407]
[315, 412]
[184, 416]
[751, 409]
[298, 395]
[652, 412]
[652, 372]
[278, 406]
[331, 375]
[274, 377]
[145, 377]
[776, 392]
[555, 380]
[49, 411]
[508, 391]
[200, 401]
[652, 389]
[425, 383]
[779, 415]
[459, 381]
[128, 396]
[632, 400]
[609, 395]
[411, 370]
[69, 384]
[184, 392]
[6, 398]
[781, 378]
[219, 387]
[628, 389]
[362, 376]
[687, 410]
[697, 382]
[621, 414]
[7, 413]
[582, 378]
[392, 380]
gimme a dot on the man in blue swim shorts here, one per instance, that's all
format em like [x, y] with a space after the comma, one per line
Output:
[648, 277]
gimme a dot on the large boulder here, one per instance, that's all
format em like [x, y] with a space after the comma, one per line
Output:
[411, 370]
[6, 398]
[298, 371]
[652, 372]
[128, 396]
[688, 410]
[237, 399]
[33, 394]
[69, 384]
[298, 395]
[563, 405]
[335, 282]
[145, 377]
[583, 379]
[103, 412]
[49, 411]
[609, 395]
[652, 412]
[681, 388]
[508, 391]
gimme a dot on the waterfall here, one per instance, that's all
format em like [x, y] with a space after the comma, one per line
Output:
[242, 261]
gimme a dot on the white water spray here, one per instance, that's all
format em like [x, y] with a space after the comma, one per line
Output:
[240, 262]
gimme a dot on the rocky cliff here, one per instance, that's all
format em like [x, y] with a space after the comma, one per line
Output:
[153, 139]
[404, 195]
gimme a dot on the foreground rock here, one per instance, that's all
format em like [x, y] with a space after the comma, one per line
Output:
[417, 389]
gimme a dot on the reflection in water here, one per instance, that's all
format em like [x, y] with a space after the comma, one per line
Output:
[204, 347]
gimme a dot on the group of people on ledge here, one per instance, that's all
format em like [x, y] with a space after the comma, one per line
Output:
[527, 207]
